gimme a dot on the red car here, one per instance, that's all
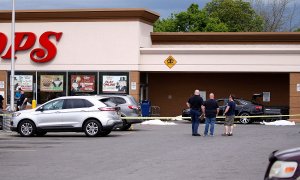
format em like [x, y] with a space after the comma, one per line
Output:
[284, 165]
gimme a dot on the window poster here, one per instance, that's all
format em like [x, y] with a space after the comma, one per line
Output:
[2, 84]
[266, 96]
[24, 82]
[114, 84]
[82, 83]
[203, 95]
[52, 83]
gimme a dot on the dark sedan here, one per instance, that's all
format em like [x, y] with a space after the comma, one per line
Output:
[284, 165]
[243, 108]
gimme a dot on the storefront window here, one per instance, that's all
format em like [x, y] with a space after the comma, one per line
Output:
[114, 83]
[51, 85]
[82, 83]
[24, 81]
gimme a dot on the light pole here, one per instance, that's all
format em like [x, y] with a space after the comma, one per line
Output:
[12, 74]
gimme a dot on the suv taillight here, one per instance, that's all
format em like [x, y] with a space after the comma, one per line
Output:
[107, 109]
[133, 107]
[258, 108]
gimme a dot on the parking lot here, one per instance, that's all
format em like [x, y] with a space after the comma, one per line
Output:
[146, 152]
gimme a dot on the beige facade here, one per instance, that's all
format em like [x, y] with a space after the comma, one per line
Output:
[121, 41]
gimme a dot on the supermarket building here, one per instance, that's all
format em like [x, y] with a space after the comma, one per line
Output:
[98, 51]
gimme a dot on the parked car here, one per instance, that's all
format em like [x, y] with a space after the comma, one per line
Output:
[128, 108]
[284, 165]
[93, 115]
[270, 110]
[243, 108]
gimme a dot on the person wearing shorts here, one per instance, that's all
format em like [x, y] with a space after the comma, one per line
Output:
[229, 116]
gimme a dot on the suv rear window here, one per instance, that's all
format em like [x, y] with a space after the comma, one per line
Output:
[107, 102]
[117, 100]
[77, 103]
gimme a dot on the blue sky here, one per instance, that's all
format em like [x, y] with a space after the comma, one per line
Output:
[163, 7]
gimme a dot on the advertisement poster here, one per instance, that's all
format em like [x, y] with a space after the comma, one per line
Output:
[114, 84]
[52, 83]
[23, 81]
[82, 83]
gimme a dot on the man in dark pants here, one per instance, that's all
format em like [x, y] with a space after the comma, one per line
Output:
[210, 109]
[1, 102]
[194, 103]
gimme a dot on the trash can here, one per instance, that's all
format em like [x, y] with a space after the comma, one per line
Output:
[145, 106]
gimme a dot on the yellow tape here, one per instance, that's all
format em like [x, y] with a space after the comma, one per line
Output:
[219, 117]
[5, 115]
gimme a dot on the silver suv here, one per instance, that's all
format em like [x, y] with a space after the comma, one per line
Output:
[128, 107]
[94, 115]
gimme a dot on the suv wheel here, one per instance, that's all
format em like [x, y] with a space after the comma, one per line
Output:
[245, 120]
[92, 128]
[26, 128]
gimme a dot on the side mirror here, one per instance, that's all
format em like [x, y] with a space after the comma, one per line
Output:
[41, 109]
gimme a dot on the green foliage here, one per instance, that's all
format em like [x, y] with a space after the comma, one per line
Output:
[297, 30]
[217, 16]
[236, 14]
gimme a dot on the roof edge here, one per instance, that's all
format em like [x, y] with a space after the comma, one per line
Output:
[80, 14]
[225, 37]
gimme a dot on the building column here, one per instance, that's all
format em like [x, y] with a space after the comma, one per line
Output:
[134, 85]
[294, 96]
[3, 78]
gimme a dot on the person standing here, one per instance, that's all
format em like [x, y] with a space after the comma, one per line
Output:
[229, 116]
[194, 103]
[22, 102]
[211, 110]
[1, 102]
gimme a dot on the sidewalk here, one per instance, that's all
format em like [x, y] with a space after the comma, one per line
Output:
[6, 133]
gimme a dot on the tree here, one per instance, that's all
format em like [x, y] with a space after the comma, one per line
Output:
[217, 16]
[192, 20]
[297, 30]
[238, 15]
[166, 25]
[278, 15]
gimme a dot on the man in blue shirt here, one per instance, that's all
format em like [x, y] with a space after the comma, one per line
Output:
[194, 103]
[229, 116]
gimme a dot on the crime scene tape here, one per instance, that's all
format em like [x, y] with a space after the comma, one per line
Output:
[6, 115]
[219, 117]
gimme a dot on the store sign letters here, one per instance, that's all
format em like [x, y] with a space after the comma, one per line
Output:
[24, 41]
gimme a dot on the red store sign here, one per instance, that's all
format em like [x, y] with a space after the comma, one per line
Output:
[25, 41]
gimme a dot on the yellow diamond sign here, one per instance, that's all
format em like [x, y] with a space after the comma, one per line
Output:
[170, 62]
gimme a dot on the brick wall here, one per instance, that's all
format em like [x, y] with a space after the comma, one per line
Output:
[134, 77]
[3, 77]
[171, 91]
[294, 95]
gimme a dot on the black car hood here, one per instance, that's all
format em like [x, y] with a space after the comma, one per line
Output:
[288, 154]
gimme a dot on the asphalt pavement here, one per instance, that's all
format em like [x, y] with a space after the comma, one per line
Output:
[147, 152]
